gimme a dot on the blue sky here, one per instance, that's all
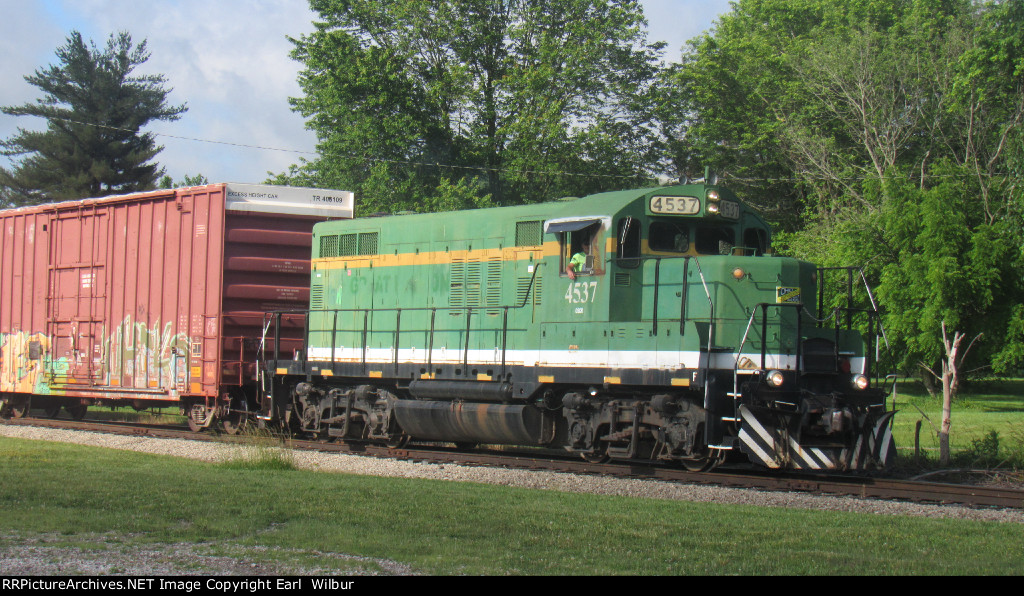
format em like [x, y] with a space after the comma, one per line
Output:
[228, 59]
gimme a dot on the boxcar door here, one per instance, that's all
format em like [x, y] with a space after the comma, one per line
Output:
[77, 296]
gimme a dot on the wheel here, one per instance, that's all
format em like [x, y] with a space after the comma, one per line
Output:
[17, 407]
[231, 424]
[197, 417]
[77, 412]
[707, 463]
[398, 441]
[52, 410]
[598, 456]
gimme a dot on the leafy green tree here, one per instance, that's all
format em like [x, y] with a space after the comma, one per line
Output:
[730, 83]
[880, 133]
[461, 103]
[95, 107]
[905, 166]
[198, 180]
[759, 91]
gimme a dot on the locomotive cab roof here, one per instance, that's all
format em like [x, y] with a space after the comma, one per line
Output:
[713, 205]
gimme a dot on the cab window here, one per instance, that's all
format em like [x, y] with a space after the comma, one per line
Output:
[713, 240]
[668, 236]
[585, 242]
[755, 241]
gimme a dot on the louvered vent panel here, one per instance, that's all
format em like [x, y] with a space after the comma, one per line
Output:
[347, 245]
[328, 246]
[529, 233]
[524, 294]
[474, 283]
[492, 296]
[457, 288]
[316, 297]
[368, 243]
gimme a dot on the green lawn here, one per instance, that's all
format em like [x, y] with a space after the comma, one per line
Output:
[982, 408]
[441, 527]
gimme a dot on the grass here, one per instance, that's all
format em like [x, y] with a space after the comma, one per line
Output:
[169, 415]
[438, 527]
[987, 423]
[260, 450]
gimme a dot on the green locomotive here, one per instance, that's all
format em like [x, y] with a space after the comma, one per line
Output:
[652, 323]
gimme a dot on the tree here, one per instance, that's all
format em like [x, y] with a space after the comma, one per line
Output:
[198, 180]
[909, 158]
[950, 379]
[95, 108]
[421, 105]
[885, 134]
[732, 82]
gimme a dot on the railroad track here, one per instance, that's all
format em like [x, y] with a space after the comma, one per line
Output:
[854, 486]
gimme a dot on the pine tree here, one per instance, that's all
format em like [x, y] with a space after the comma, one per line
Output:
[95, 108]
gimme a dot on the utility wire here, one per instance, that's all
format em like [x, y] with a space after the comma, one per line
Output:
[353, 155]
[769, 180]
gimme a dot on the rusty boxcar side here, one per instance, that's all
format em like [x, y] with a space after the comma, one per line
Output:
[151, 298]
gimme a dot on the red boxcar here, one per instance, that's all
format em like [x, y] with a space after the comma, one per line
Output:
[152, 298]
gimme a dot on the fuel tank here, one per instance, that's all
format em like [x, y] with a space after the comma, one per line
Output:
[462, 422]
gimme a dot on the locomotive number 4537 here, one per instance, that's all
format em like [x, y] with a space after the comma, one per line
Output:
[581, 292]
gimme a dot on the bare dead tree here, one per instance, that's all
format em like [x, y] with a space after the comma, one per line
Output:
[950, 379]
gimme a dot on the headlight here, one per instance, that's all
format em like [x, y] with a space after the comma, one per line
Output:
[712, 195]
[860, 382]
[775, 378]
[713, 208]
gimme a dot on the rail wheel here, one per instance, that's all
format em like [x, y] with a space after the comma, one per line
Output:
[235, 415]
[77, 412]
[233, 423]
[17, 407]
[708, 462]
[52, 410]
[398, 441]
[599, 455]
[198, 417]
[235, 419]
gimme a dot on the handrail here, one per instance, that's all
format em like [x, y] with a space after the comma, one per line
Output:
[873, 314]
[276, 316]
[849, 289]
[764, 341]
[657, 286]
[711, 305]
[874, 305]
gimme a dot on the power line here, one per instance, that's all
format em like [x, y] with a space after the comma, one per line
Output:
[366, 158]
[746, 180]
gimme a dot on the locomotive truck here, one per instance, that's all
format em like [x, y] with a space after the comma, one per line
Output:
[676, 336]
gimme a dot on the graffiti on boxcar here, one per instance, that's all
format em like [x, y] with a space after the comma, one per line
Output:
[24, 358]
[145, 354]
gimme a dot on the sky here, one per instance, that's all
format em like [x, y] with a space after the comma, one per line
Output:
[228, 60]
